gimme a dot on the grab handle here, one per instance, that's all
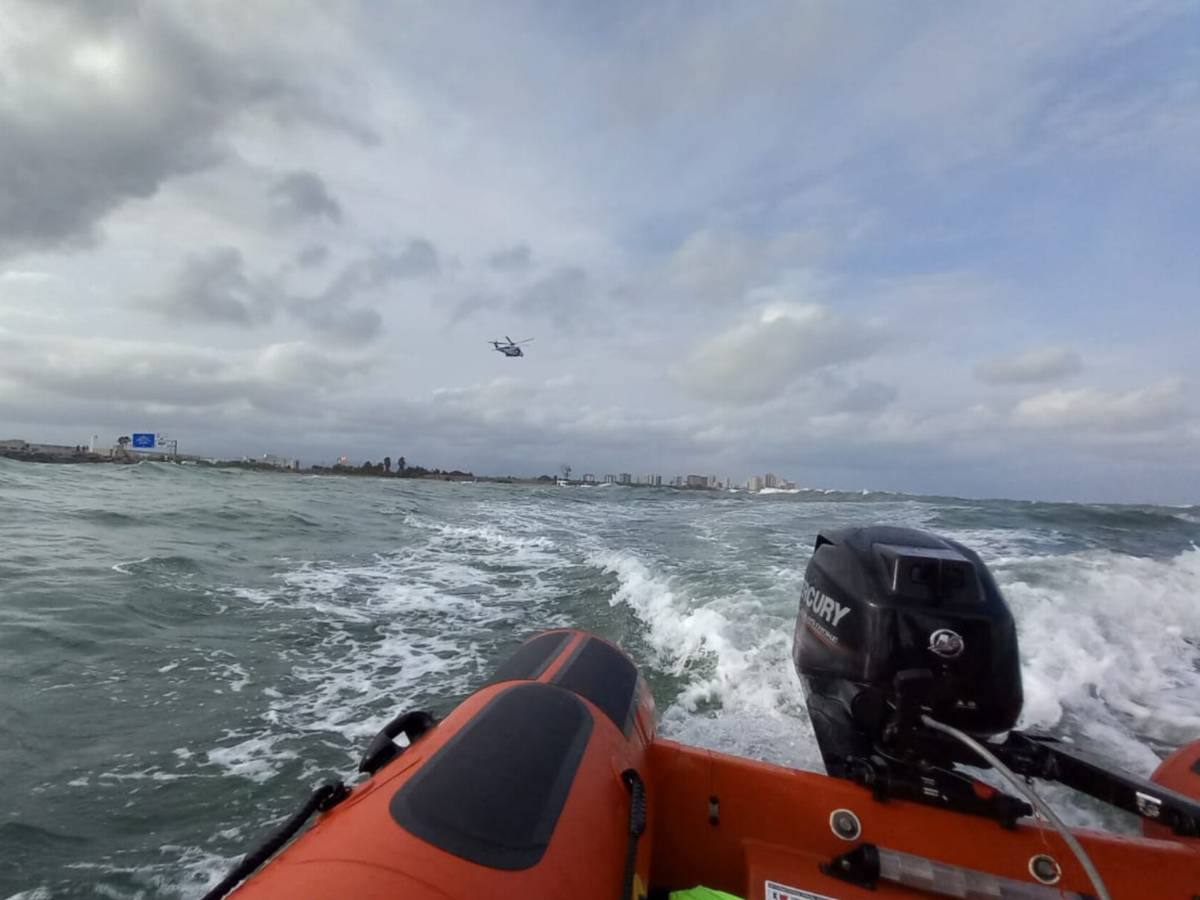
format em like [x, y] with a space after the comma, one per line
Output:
[382, 750]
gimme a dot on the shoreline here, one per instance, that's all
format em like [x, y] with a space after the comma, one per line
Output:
[416, 473]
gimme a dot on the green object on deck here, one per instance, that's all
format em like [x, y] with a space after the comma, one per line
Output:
[702, 893]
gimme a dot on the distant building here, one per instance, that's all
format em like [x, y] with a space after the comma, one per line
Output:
[771, 480]
[714, 481]
[697, 481]
[788, 485]
[278, 462]
[626, 478]
[17, 445]
[589, 478]
[610, 479]
[658, 481]
[754, 483]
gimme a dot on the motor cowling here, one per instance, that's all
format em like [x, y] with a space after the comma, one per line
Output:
[894, 622]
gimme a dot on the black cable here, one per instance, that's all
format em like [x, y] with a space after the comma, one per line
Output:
[323, 798]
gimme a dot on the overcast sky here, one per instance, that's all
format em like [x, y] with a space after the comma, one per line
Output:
[936, 247]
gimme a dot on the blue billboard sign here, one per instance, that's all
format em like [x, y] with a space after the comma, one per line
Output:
[143, 441]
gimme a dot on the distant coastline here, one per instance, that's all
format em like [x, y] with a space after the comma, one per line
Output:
[83, 456]
[129, 451]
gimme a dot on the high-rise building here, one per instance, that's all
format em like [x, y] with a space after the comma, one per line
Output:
[658, 481]
[626, 478]
[754, 483]
[610, 479]
[771, 480]
[697, 481]
[589, 478]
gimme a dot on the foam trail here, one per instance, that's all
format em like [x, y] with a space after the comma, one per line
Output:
[1110, 646]
[1110, 657]
[741, 693]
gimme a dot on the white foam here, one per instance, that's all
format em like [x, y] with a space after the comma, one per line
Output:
[123, 567]
[185, 871]
[257, 758]
[38, 893]
[1110, 643]
[148, 774]
[742, 694]
[399, 625]
[1110, 653]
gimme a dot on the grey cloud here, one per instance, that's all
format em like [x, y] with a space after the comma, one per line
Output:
[328, 312]
[214, 287]
[102, 108]
[303, 195]
[866, 397]
[1038, 364]
[561, 296]
[337, 323]
[467, 306]
[217, 287]
[312, 256]
[757, 360]
[514, 259]
[138, 375]
[419, 258]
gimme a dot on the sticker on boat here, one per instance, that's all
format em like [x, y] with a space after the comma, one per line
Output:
[783, 892]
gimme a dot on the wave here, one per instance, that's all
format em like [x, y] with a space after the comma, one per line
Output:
[163, 566]
[1110, 648]
[740, 693]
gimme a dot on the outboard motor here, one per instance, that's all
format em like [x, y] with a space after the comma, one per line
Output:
[908, 655]
[895, 622]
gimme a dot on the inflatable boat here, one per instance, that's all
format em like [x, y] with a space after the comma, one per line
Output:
[550, 781]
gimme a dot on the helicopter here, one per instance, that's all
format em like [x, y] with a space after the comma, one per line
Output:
[511, 348]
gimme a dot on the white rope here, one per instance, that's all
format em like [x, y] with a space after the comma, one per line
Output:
[1027, 792]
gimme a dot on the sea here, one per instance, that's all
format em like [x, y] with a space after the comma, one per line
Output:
[186, 652]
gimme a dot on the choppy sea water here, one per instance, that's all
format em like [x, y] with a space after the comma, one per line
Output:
[185, 652]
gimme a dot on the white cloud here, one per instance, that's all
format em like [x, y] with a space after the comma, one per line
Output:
[103, 105]
[1141, 409]
[279, 378]
[761, 358]
[1032, 365]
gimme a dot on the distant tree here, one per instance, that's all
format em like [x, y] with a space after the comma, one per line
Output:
[123, 441]
[387, 464]
[401, 464]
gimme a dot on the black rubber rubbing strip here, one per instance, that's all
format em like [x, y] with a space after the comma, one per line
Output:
[605, 676]
[493, 794]
[531, 658]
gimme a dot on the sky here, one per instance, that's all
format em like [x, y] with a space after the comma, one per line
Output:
[943, 248]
